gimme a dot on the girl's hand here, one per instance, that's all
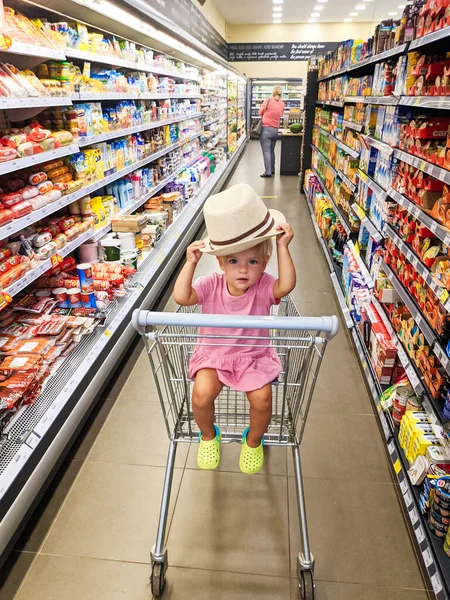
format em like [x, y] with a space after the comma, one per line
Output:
[286, 234]
[193, 254]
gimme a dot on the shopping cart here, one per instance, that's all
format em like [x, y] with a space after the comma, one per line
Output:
[300, 343]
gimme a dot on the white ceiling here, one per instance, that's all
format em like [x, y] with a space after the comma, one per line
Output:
[252, 12]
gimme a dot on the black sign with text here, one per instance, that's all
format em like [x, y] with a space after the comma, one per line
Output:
[278, 52]
[185, 14]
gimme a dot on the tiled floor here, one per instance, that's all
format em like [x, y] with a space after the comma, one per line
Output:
[230, 536]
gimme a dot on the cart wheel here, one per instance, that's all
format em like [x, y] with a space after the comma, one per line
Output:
[306, 585]
[158, 579]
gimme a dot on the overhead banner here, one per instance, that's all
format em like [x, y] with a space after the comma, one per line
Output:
[185, 14]
[278, 52]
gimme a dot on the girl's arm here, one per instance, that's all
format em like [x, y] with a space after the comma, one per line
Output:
[262, 108]
[183, 292]
[286, 270]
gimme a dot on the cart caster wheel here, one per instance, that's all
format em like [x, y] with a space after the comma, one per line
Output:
[306, 586]
[158, 579]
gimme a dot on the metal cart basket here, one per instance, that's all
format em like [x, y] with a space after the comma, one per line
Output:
[300, 343]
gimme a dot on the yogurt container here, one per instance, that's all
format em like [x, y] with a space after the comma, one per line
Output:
[74, 297]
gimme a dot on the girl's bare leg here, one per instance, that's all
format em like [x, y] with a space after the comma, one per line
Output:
[206, 389]
[260, 414]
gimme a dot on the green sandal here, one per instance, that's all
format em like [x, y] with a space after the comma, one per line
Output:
[208, 455]
[251, 460]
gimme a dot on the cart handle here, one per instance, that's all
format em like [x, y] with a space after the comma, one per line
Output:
[146, 318]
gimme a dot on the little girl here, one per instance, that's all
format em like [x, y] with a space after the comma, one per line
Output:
[245, 289]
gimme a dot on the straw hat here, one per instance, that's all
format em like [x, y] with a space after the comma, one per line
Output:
[237, 219]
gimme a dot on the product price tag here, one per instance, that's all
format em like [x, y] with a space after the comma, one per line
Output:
[436, 583]
[414, 515]
[444, 297]
[408, 498]
[403, 486]
[433, 227]
[427, 557]
[420, 534]
[107, 333]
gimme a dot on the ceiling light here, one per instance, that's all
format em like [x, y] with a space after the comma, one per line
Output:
[276, 16]
[367, 0]
[277, 1]
[277, 8]
[360, 7]
[323, 1]
[353, 14]
[348, 20]
[312, 20]
[318, 8]
[315, 14]
[392, 14]
[277, 21]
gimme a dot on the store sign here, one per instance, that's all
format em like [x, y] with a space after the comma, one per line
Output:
[185, 14]
[278, 52]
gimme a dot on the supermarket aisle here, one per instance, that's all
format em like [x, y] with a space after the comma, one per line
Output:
[231, 536]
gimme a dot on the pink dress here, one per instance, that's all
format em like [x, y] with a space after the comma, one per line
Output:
[240, 368]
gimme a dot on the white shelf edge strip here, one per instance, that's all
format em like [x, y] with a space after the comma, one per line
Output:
[30, 161]
[361, 265]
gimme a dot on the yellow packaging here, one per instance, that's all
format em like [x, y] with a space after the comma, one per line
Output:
[420, 445]
[99, 170]
[409, 420]
[98, 211]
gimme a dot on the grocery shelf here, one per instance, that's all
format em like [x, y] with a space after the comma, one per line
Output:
[423, 165]
[371, 228]
[362, 267]
[120, 62]
[351, 186]
[132, 96]
[117, 133]
[355, 126]
[372, 184]
[430, 547]
[339, 215]
[372, 381]
[41, 52]
[211, 122]
[430, 38]
[416, 211]
[344, 147]
[419, 318]
[36, 215]
[99, 233]
[343, 305]
[316, 149]
[34, 102]
[383, 100]
[368, 61]
[440, 102]
[415, 378]
[37, 434]
[381, 146]
[439, 291]
[337, 103]
[10, 166]
[44, 265]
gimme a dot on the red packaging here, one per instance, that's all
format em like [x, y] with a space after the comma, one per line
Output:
[22, 209]
[13, 185]
[7, 154]
[9, 200]
[6, 216]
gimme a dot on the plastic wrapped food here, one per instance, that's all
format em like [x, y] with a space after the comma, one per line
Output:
[14, 140]
[34, 346]
[53, 195]
[28, 192]
[44, 186]
[25, 149]
[46, 251]
[13, 185]
[36, 178]
[24, 362]
[41, 239]
[54, 164]
[61, 187]
[8, 263]
[7, 154]
[6, 216]
[63, 137]
[60, 240]
[46, 145]
[55, 326]
[13, 274]
[38, 133]
[38, 202]
[8, 342]
[57, 172]
[22, 209]
[9, 200]
[17, 330]
[63, 178]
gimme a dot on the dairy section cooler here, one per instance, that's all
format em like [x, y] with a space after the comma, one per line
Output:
[109, 148]
[293, 93]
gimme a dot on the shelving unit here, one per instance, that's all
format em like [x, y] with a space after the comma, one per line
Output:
[293, 93]
[383, 202]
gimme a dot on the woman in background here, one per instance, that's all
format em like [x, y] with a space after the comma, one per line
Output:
[271, 112]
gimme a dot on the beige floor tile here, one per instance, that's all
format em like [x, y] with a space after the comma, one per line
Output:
[208, 585]
[136, 434]
[36, 529]
[13, 572]
[77, 578]
[274, 459]
[231, 522]
[338, 446]
[111, 513]
[357, 533]
[326, 590]
[141, 385]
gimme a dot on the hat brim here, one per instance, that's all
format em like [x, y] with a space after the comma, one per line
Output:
[247, 243]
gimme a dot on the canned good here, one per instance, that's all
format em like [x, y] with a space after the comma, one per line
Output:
[402, 394]
[60, 296]
[85, 277]
[439, 518]
[437, 524]
[414, 403]
[438, 533]
[74, 296]
[445, 512]
[88, 300]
